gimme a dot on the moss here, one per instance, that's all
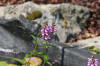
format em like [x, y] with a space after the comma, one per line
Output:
[96, 50]
[65, 24]
[34, 15]
[91, 47]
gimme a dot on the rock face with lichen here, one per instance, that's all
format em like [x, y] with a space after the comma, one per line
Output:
[70, 20]
[34, 15]
[16, 29]
[14, 11]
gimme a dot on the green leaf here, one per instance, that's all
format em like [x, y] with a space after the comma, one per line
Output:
[34, 37]
[44, 46]
[45, 57]
[39, 33]
[49, 63]
[43, 43]
[36, 40]
[16, 59]
[29, 54]
[91, 47]
[97, 50]
[38, 53]
[3, 63]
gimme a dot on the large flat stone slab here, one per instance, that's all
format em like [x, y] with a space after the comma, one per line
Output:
[73, 56]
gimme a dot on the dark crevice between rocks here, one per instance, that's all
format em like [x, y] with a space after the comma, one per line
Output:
[70, 37]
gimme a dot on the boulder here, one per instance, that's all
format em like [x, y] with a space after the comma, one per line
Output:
[70, 19]
[16, 29]
[15, 38]
[14, 11]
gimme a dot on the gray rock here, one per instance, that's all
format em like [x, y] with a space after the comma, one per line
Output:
[72, 55]
[15, 38]
[87, 42]
[75, 17]
[14, 11]
[17, 29]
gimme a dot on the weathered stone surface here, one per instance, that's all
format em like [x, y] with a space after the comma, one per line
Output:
[75, 17]
[17, 29]
[14, 37]
[73, 55]
[14, 11]
[74, 20]
[87, 42]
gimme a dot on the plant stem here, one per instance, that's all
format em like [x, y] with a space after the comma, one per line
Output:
[46, 47]
[36, 45]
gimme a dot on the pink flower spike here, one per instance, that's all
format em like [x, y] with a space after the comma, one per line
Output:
[47, 31]
[92, 62]
[55, 28]
[51, 28]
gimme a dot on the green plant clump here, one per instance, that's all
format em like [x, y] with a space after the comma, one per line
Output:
[34, 15]
[96, 50]
[33, 57]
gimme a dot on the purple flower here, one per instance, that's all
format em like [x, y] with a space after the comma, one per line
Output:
[47, 37]
[50, 28]
[47, 31]
[55, 28]
[92, 62]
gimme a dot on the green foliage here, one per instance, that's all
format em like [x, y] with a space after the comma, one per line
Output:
[91, 47]
[45, 58]
[49, 63]
[39, 33]
[34, 15]
[45, 46]
[32, 53]
[36, 40]
[16, 59]
[94, 49]
[3, 63]
[38, 53]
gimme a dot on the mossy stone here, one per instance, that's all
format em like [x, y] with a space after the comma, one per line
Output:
[34, 15]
